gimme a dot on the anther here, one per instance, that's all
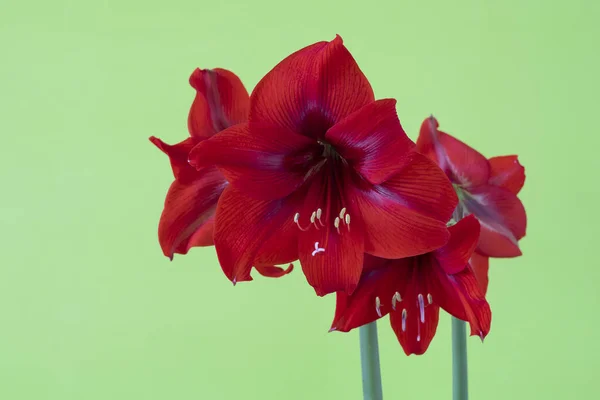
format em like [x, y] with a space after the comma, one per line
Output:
[404, 320]
[396, 298]
[421, 307]
[347, 219]
[319, 212]
[318, 249]
[429, 298]
[336, 223]
[312, 219]
[378, 306]
[342, 213]
[296, 221]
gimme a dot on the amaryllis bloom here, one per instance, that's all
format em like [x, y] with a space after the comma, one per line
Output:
[506, 172]
[477, 184]
[188, 216]
[324, 173]
[412, 290]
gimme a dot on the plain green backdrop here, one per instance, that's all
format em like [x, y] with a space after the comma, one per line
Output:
[91, 309]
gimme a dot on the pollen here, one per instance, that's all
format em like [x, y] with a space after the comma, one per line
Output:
[319, 212]
[404, 320]
[429, 298]
[421, 307]
[297, 222]
[378, 306]
[342, 213]
[395, 299]
[336, 223]
[347, 219]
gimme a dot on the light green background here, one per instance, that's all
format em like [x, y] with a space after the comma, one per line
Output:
[89, 307]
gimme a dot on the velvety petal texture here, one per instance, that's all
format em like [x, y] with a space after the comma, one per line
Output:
[311, 90]
[507, 172]
[462, 164]
[480, 266]
[221, 101]
[188, 216]
[407, 214]
[486, 188]
[413, 289]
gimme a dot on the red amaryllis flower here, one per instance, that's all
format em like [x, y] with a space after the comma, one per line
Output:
[411, 290]
[323, 173]
[188, 216]
[501, 213]
[505, 172]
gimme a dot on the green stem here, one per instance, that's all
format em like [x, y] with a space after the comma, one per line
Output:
[460, 386]
[369, 360]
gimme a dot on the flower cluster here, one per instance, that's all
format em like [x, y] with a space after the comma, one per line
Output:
[311, 167]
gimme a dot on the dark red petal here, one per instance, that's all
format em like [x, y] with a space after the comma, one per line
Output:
[331, 258]
[261, 164]
[372, 140]
[370, 300]
[242, 225]
[454, 255]
[178, 156]
[311, 90]
[416, 336]
[459, 295]
[407, 215]
[271, 271]
[502, 216]
[281, 248]
[221, 101]
[204, 236]
[189, 208]
[507, 172]
[480, 266]
[462, 164]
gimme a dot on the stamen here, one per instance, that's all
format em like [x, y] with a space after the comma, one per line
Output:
[319, 212]
[347, 219]
[342, 213]
[378, 306]
[421, 307]
[312, 219]
[404, 320]
[296, 221]
[318, 249]
[429, 298]
[396, 298]
[336, 223]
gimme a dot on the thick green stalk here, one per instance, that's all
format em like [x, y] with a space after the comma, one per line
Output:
[369, 359]
[460, 386]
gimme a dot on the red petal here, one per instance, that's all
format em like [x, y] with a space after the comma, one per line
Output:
[459, 295]
[480, 266]
[507, 172]
[454, 256]
[462, 164]
[178, 156]
[502, 216]
[311, 90]
[221, 101]
[360, 308]
[262, 164]
[186, 220]
[331, 258]
[271, 271]
[372, 140]
[414, 317]
[417, 336]
[242, 225]
[407, 215]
